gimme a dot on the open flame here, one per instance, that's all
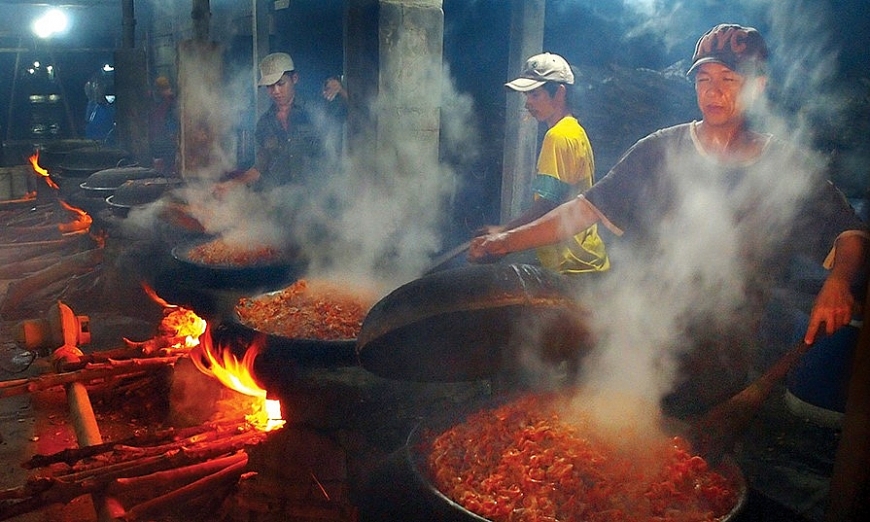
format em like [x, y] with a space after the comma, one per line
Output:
[180, 328]
[81, 223]
[34, 161]
[82, 220]
[218, 360]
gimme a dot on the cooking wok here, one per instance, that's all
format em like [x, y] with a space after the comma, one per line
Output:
[281, 349]
[139, 192]
[467, 323]
[81, 163]
[263, 275]
[106, 181]
[444, 508]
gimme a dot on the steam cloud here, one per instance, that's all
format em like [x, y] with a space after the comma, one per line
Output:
[381, 213]
[698, 268]
[375, 213]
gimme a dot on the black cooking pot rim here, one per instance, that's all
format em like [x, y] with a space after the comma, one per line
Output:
[416, 443]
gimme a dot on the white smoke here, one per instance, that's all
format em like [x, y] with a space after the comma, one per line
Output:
[698, 267]
[377, 212]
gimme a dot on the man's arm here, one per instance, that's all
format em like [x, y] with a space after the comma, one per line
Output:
[561, 223]
[835, 303]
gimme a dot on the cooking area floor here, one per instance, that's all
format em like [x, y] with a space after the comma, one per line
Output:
[340, 456]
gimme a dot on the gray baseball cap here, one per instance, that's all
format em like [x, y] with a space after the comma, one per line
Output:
[540, 69]
[273, 66]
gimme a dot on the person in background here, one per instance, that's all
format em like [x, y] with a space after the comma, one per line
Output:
[333, 90]
[100, 110]
[565, 166]
[163, 126]
[642, 198]
[287, 142]
[334, 114]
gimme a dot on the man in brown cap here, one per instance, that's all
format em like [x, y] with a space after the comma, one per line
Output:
[711, 187]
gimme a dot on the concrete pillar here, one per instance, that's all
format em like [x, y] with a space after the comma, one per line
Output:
[521, 134]
[131, 90]
[394, 75]
[133, 103]
[204, 128]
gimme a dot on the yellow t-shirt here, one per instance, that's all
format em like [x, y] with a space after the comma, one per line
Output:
[566, 168]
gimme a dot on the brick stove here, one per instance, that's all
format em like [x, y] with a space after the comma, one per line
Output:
[344, 425]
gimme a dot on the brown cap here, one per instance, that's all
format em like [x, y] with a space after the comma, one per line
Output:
[741, 49]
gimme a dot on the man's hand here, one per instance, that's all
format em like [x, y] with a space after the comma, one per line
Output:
[487, 249]
[332, 87]
[488, 230]
[834, 307]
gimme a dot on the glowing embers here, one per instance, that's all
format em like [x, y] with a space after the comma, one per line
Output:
[218, 359]
[179, 330]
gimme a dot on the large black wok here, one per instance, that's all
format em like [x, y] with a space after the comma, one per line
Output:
[263, 275]
[105, 182]
[444, 508]
[470, 322]
[282, 349]
[81, 163]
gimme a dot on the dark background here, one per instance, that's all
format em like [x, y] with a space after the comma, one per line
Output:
[632, 55]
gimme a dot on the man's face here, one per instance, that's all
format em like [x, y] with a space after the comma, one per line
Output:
[540, 104]
[719, 92]
[283, 91]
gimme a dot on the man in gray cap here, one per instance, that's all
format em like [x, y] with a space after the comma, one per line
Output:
[288, 145]
[565, 164]
[708, 194]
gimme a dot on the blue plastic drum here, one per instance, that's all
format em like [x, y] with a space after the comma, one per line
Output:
[817, 387]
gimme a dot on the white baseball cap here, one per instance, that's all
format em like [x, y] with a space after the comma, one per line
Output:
[273, 66]
[542, 68]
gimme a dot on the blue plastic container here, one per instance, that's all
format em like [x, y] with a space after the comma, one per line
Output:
[817, 387]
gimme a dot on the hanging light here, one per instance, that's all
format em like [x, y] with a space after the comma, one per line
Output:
[51, 23]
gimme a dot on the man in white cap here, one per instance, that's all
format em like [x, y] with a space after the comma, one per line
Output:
[287, 142]
[565, 166]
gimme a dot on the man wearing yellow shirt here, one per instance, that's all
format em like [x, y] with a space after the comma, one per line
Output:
[565, 165]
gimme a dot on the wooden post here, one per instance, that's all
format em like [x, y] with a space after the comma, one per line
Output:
[849, 497]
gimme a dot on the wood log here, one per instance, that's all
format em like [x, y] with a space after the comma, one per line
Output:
[64, 488]
[17, 269]
[175, 477]
[24, 289]
[180, 454]
[97, 371]
[72, 455]
[210, 483]
[211, 442]
[11, 252]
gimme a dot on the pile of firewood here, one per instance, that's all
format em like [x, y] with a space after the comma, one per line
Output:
[152, 472]
[163, 471]
[43, 262]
